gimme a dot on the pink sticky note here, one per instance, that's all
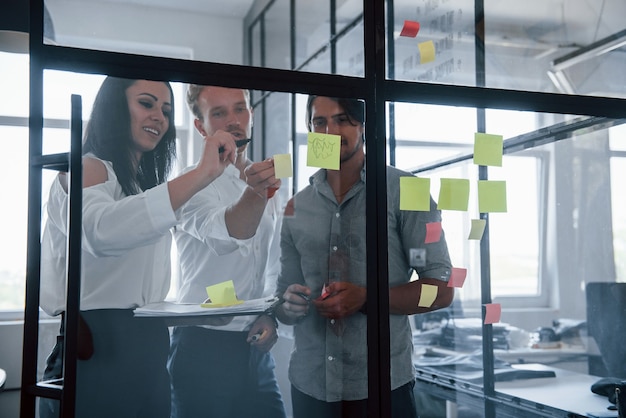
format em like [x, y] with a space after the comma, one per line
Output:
[493, 311]
[433, 232]
[410, 29]
[457, 278]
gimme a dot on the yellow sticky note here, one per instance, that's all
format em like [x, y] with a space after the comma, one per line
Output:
[491, 196]
[282, 166]
[414, 193]
[427, 296]
[453, 194]
[488, 149]
[221, 294]
[323, 150]
[478, 228]
[427, 51]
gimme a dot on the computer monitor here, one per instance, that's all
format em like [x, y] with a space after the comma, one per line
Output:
[606, 324]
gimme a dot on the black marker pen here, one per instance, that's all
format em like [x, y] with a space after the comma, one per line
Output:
[303, 296]
[238, 143]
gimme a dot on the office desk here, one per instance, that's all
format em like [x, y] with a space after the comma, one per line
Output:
[567, 394]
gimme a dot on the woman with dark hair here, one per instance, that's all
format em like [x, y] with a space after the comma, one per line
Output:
[128, 210]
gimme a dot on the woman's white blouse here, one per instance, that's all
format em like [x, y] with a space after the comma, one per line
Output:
[126, 244]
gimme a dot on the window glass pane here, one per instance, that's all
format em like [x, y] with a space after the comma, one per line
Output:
[14, 184]
[575, 48]
[312, 30]
[278, 36]
[14, 84]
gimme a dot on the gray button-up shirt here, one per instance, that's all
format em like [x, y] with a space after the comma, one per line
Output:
[323, 241]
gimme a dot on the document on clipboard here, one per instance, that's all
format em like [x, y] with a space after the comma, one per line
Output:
[174, 310]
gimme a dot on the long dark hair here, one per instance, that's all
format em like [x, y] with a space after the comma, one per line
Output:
[108, 136]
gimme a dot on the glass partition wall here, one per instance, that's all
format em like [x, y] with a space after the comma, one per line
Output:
[526, 235]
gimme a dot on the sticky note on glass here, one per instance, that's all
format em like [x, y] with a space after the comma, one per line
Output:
[323, 150]
[220, 295]
[427, 51]
[282, 166]
[427, 296]
[414, 193]
[410, 28]
[453, 194]
[488, 149]
[493, 311]
[478, 228]
[491, 196]
[457, 277]
[433, 232]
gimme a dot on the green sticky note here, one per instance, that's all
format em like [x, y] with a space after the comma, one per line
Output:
[427, 296]
[221, 294]
[488, 149]
[427, 51]
[414, 193]
[282, 166]
[323, 150]
[453, 194]
[478, 228]
[491, 196]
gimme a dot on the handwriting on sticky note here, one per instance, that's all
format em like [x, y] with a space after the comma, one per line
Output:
[491, 196]
[478, 229]
[453, 194]
[323, 150]
[427, 51]
[282, 166]
[427, 296]
[414, 193]
[410, 28]
[457, 277]
[488, 149]
[493, 312]
[221, 294]
[433, 232]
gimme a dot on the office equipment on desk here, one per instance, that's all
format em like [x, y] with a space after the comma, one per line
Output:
[469, 367]
[606, 324]
[564, 395]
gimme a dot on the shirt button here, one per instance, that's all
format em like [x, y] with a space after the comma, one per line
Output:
[332, 321]
[330, 358]
[334, 248]
[337, 215]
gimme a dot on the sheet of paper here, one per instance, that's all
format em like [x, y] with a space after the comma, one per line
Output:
[478, 228]
[221, 295]
[414, 193]
[410, 28]
[453, 194]
[427, 52]
[283, 168]
[457, 277]
[433, 232]
[491, 196]
[323, 150]
[493, 311]
[488, 149]
[427, 296]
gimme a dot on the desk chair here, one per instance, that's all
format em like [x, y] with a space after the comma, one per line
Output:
[606, 324]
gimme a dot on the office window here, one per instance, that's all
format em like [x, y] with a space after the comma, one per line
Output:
[427, 134]
[617, 141]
